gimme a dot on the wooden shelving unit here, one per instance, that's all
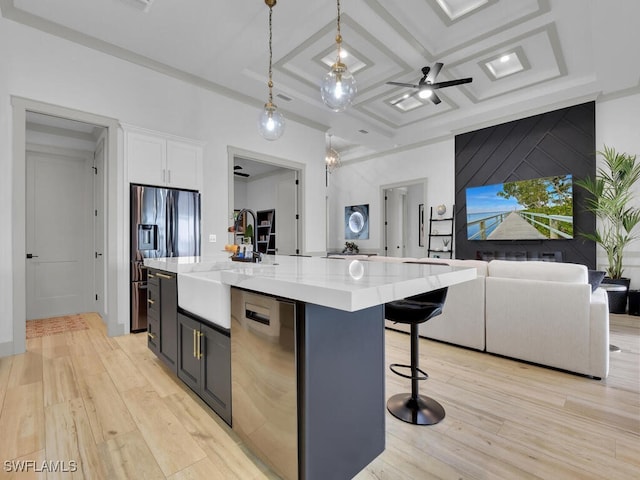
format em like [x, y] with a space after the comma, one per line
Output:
[446, 223]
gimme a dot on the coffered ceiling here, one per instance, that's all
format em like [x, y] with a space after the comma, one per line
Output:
[569, 50]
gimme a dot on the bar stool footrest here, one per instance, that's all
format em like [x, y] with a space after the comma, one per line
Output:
[393, 367]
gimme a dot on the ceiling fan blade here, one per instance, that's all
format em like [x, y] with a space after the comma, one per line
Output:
[240, 174]
[435, 98]
[451, 83]
[399, 84]
[237, 167]
[433, 73]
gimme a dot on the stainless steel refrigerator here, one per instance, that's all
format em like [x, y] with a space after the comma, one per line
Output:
[165, 222]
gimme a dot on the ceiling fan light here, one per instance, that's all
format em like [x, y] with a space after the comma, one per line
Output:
[271, 122]
[425, 93]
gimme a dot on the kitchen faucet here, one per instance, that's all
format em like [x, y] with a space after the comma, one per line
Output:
[256, 256]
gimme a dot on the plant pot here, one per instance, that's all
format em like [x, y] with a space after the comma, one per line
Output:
[617, 299]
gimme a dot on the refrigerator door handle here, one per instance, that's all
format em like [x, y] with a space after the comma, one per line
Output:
[171, 234]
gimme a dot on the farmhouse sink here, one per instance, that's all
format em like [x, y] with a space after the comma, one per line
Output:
[203, 294]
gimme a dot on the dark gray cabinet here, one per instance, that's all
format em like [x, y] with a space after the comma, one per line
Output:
[204, 363]
[153, 313]
[162, 297]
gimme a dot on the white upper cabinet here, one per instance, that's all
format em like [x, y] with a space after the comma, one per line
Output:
[184, 164]
[164, 160]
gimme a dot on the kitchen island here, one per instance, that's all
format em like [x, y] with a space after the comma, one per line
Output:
[307, 354]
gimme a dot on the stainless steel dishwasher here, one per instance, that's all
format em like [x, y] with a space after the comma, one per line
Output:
[264, 381]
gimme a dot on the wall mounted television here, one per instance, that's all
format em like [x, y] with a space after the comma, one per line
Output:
[534, 209]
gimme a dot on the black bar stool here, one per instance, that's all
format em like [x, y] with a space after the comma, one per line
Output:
[413, 407]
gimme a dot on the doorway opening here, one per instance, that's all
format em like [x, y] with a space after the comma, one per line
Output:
[401, 221]
[273, 189]
[64, 217]
[62, 157]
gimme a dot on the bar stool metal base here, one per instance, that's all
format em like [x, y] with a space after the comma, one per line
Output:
[421, 410]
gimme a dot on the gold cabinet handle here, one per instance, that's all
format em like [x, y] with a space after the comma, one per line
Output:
[200, 345]
[151, 275]
[195, 348]
[150, 302]
[162, 275]
[152, 336]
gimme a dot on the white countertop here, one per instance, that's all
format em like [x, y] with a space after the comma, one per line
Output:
[348, 285]
[189, 264]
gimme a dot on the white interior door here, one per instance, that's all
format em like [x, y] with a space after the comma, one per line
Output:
[58, 207]
[286, 224]
[395, 211]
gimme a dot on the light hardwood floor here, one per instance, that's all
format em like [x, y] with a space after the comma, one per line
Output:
[111, 406]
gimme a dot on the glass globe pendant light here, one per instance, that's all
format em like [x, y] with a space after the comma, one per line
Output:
[271, 121]
[338, 87]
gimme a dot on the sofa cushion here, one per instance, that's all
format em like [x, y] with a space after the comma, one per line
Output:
[546, 271]
[479, 265]
[595, 278]
[382, 258]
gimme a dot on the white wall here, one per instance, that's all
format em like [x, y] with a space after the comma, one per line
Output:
[45, 68]
[240, 195]
[617, 126]
[358, 183]
[262, 193]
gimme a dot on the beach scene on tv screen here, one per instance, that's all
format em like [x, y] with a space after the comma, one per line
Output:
[535, 209]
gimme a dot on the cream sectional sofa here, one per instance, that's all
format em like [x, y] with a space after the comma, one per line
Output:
[541, 312]
[546, 313]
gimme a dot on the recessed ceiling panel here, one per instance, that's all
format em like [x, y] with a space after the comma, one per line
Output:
[306, 63]
[455, 9]
[421, 20]
[508, 62]
[542, 55]
[381, 108]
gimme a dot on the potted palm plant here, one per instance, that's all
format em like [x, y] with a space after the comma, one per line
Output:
[610, 195]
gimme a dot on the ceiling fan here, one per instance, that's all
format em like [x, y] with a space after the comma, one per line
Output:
[426, 86]
[236, 172]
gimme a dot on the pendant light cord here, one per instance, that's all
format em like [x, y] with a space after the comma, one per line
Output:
[338, 34]
[270, 84]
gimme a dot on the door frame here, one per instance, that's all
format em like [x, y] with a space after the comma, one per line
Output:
[383, 211]
[114, 179]
[99, 233]
[299, 168]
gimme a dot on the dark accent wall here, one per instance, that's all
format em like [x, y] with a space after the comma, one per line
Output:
[554, 143]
